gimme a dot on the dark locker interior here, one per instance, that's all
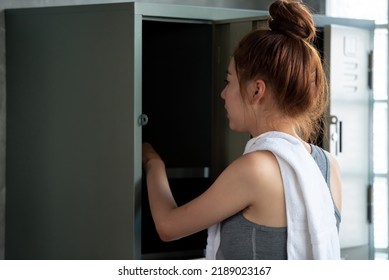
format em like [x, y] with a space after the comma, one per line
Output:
[177, 99]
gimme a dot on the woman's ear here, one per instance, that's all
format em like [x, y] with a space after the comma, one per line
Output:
[258, 91]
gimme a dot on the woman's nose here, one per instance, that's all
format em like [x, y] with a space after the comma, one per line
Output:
[222, 93]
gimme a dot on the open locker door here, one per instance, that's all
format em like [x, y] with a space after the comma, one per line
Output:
[228, 145]
[347, 52]
[71, 133]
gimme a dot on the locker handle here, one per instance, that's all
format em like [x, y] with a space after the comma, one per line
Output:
[340, 136]
[370, 204]
[337, 135]
[143, 119]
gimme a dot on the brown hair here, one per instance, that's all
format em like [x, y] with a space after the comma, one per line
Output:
[285, 58]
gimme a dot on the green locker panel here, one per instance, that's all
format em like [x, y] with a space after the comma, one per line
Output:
[70, 133]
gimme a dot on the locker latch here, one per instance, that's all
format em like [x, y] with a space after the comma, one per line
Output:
[143, 119]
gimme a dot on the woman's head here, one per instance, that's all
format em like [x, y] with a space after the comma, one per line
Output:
[284, 57]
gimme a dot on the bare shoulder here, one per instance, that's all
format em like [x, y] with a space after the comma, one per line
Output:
[259, 163]
[335, 180]
[333, 161]
[334, 165]
[257, 169]
[265, 189]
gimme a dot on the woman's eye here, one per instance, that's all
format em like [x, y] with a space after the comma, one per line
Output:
[226, 82]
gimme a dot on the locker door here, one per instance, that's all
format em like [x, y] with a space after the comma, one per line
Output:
[347, 54]
[228, 145]
[71, 133]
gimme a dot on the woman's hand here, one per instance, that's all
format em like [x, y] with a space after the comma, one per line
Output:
[148, 155]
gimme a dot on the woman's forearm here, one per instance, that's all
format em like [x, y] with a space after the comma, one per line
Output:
[160, 196]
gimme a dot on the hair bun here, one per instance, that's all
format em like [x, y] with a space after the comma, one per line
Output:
[292, 18]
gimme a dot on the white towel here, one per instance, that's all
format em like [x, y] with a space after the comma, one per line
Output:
[312, 231]
[213, 242]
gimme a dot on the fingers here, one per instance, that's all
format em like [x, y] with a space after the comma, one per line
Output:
[148, 153]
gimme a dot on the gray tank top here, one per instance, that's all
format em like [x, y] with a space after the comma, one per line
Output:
[245, 240]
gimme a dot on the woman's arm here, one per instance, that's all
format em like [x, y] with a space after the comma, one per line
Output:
[160, 196]
[232, 192]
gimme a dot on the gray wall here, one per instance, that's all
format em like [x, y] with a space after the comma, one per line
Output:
[317, 5]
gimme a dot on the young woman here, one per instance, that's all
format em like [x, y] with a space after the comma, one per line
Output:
[282, 198]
